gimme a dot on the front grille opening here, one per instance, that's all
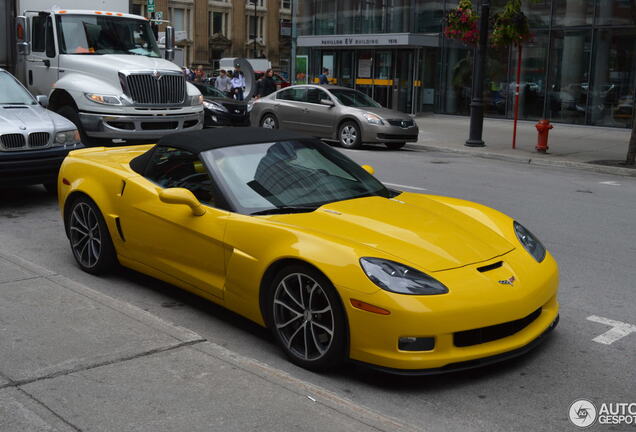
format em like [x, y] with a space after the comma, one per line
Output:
[490, 267]
[159, 125]
[491, 333]
[12, 141]
[38, 139]
[190, 123]
[165, 88]
[401, 123]
[121, 125]
[396, 137]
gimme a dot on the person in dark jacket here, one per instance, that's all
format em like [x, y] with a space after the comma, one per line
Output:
[266, 85]
[323, 78]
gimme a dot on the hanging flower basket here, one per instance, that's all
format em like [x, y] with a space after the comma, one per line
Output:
[461, 23]
[510, 27]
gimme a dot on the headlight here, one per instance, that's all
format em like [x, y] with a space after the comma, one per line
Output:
[250, 105]
[103, 99]
[373, 118]
[215, 106]
[195, 100]
[530, 242]
[70, 137]
[399, 278]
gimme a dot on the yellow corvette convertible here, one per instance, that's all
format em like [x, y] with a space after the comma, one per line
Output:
[293, 235]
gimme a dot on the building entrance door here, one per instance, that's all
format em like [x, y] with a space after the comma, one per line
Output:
[403, 81]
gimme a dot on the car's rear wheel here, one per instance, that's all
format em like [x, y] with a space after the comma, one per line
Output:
[395, 146]
[90, 240]
[269, 121]
[307, 318]
[349, 135]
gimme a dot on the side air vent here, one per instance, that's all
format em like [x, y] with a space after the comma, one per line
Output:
[490, 267]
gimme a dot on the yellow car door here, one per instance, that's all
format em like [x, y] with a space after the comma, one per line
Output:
[169, 237]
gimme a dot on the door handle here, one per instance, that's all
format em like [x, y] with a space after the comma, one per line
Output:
[47, 62]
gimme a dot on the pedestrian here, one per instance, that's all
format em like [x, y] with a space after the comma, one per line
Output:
[322, 78]
[223, 82]
[266, 85]
[191, 73]
[199, 75]
[238, 84]
[187, 72]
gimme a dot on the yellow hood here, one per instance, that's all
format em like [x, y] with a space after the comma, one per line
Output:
[423, 232]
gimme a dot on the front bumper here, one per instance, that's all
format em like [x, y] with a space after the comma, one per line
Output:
[138, 126]
[218, 118]
[31, 167]
[476, 302]
[388, 134]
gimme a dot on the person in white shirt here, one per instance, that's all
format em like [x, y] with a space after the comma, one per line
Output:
[238, 84]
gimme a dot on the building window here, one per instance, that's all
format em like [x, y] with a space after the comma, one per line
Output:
[259, 28]
[285, 4]
[218, 23]
[259, 3]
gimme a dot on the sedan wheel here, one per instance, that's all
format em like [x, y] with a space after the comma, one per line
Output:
[307, 318]
[89, 237]
[349, 135]
[269, 122]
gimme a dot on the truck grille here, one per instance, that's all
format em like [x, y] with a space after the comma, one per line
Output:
[12, 141]
[161, 90]
[38, 139]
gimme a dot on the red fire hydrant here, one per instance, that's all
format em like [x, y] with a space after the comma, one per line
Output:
[543, 127]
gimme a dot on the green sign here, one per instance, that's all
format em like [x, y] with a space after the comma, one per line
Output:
[302, 68]
[151, 6]
[159, 15]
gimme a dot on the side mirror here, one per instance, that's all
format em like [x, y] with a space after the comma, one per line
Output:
[22, 35]
[369, 169]
[43, 100]
[170, 42]
[182, 196]
[327, 102]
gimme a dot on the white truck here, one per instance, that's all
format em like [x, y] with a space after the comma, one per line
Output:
[103, 71]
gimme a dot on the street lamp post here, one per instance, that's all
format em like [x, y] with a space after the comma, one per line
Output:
[255, 28]
[477, 103]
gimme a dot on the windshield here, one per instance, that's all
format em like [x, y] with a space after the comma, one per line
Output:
[96, 34]
[353, 98]
[288, 175]
[12, 92]
[207, 90]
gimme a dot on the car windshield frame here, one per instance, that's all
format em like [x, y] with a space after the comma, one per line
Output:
[366, 184]
[358, 95]
[206, 87]
[90, 35]
[21, 94]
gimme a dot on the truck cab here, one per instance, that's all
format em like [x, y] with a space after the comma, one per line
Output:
[104, 72]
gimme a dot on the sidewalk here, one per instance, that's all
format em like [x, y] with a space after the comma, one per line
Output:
[569, 145]
[73, 359]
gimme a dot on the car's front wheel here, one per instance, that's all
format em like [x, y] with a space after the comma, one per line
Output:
[307, 318]
[90, 240]
[349, 135]
[269, 121]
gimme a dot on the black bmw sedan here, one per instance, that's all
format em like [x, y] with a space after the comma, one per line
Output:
[221, 110]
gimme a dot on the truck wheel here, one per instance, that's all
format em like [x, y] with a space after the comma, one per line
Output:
[71, 113]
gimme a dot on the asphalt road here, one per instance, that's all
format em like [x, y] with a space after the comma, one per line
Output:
[587, 220]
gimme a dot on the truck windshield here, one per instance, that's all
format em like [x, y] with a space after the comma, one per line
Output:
[98, 34]
[12, 92]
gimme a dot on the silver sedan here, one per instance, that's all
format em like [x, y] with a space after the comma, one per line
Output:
[334, 113]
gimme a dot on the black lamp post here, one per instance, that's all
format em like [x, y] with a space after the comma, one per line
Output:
[477, 103]
[255, 28]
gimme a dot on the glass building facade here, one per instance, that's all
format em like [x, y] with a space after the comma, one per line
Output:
[580, 68]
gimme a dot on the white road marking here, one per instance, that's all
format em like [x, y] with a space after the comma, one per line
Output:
[610, 183]
[618, 331]
[405, 186]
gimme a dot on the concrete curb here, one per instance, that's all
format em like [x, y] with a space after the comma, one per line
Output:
[188, 338]
[486, 154]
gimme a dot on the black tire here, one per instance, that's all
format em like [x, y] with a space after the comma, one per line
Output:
[71, 114]
[305, 338]
[395, 146]
[269, 121]
[349, 135]
[51, 187]
[88, 235]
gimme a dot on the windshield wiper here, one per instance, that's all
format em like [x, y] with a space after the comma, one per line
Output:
[285, 209]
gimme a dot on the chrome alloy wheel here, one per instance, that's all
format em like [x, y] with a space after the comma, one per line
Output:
[348, 135]
[269, 123]
[86, 240]
[303, 316]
